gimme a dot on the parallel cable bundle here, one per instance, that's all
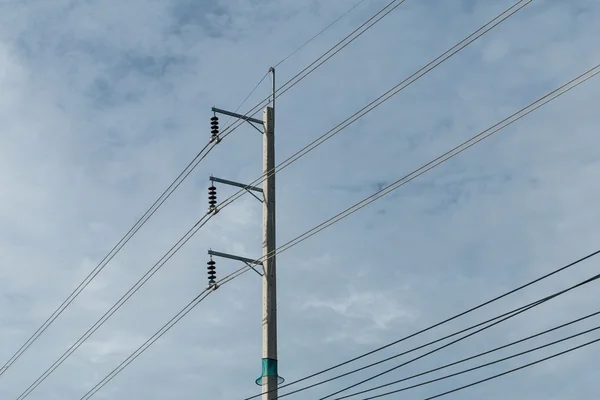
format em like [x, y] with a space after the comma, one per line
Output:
[490, 323]
[503, 16]
[215, 139]
[309, 69]
[510, 371]
[133, 290]
[164, 329]
[478, 355]
[540, 102]
[484, 325]
[144, 218]
[478, 367]
[111, 254]
[495, 128]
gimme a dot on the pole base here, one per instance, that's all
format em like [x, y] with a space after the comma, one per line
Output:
[269, 369]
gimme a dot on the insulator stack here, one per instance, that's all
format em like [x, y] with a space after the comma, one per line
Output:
[212, 198]
[214, 128]
[212, 275]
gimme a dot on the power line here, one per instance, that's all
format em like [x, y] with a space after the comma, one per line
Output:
[243, 269]
[513, 314]
[3, 369]
[477, 356]
[111, 254]
[247, 97]
[513, 370]
[229, 129]
[319, 34]
[132, 357]
[573, 83]
[436, 162]
[478, 366]
[489, 323]
[388, 94]
[399, 3]
[308, 70]
[246, 270]
[164, 329]
[427, 68]
[164, 259]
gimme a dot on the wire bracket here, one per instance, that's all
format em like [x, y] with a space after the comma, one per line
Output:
[248, 261]
[247, 188]
[250, 120]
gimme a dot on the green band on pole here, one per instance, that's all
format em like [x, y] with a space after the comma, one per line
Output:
[269, 368]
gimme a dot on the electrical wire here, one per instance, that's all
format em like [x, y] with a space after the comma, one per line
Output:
[111, 254]
[227, 131]
[429, 166]
[239, 272]
[4, 368]
[151, 211]
[243, 269]
[159, 264]
[513, 314]
[478, 367]
[318, 34]
[247, 97]
[387, 95]
[427, 68]
[561, 90]
[310, 69]
[399, 3]
[197, 300]
[477, 356]
[514, 370]
[293, 53]
[489, 323]
[164, 329]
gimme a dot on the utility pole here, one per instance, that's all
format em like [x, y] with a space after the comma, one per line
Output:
[269, 379]
[269, 280]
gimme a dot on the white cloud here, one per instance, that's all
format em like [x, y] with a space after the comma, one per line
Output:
[377, 309]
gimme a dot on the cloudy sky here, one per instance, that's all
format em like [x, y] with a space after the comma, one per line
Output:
[103, 103]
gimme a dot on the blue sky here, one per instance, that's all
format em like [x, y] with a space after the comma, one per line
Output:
[103, 103]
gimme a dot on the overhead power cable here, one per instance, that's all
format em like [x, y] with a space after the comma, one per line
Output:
[164, 329]
[480, 355]
[514, 369]
[164, 196]
[246, 99]
[440, 160]
[573, 83]
[485, 325]
[313, 66]
[245, 269]
[319, 34]
[195, 162]
[182, 176]
[111, 254]
[290, 55]
[387, 95]
[571, 337]
[137, 286]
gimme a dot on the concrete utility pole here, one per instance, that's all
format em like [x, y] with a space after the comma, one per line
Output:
[269, 280]
[269, 379]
